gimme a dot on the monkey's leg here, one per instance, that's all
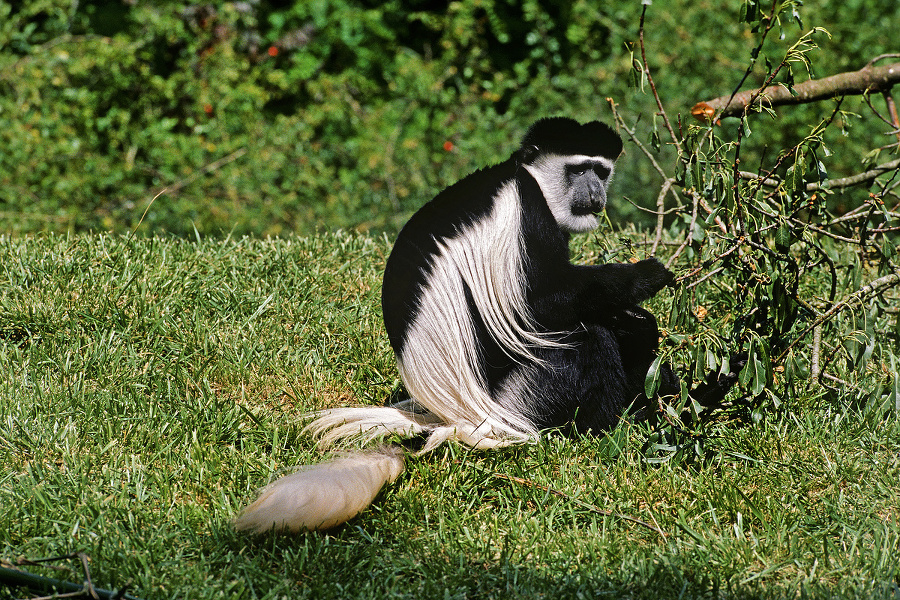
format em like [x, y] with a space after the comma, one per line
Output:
[636, 330]
[599, 377]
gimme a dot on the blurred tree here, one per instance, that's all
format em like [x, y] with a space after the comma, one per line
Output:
[270, 116]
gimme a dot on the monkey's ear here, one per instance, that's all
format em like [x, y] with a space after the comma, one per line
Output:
[528, 153]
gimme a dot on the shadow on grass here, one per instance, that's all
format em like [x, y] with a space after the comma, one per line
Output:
[348, 562]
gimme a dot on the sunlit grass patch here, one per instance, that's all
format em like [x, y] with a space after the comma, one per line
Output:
[152, 385]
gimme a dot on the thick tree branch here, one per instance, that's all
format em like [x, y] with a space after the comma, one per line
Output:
[867, 79]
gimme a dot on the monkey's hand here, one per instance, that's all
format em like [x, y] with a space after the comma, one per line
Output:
[597, 289]
[650, 276]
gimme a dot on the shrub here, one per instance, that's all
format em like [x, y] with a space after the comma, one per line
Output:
[259, 117]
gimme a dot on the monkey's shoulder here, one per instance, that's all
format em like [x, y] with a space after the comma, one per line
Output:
[463, 203]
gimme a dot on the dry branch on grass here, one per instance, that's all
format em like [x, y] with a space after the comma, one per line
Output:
[582, 504]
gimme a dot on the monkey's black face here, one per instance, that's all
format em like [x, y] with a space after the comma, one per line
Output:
[574, 187]
[587, 181]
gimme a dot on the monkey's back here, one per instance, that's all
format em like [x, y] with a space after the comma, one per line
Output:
[411, 260]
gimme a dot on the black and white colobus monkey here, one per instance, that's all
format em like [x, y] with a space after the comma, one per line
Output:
[497, 335]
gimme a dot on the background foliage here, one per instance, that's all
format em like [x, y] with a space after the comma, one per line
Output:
[271, 117]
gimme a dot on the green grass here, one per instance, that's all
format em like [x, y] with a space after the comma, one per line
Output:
[151, 385]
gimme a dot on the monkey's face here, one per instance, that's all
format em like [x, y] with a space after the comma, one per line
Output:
[587, 183]
[574, 188]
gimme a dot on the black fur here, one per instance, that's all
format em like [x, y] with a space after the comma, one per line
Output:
[560, 135]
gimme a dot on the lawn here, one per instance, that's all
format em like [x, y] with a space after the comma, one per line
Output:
[151, 385]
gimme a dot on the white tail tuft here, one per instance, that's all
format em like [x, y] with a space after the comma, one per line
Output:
[367, 424]
[324, 495]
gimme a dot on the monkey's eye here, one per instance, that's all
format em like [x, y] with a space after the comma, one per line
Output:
[601, 171]
[578, 170]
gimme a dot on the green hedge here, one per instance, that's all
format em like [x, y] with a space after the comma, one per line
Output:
[268, 118]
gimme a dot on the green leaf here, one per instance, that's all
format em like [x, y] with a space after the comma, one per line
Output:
[783, 237]
[651, 381]
[688, 176]
[796, 175]
[654, 136]
[747, 372]
[759, 376]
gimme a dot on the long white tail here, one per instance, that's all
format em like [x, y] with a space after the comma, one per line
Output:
[323, 495]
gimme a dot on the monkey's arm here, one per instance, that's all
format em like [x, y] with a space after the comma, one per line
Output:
[571, 294]
[615, 285]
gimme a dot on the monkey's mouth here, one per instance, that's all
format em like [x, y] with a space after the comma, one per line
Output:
[580, 210]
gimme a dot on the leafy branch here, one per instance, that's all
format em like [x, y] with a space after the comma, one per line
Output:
[772, 240]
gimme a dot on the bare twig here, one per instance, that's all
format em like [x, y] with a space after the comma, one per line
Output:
[620, 123]
[660, 213]
[882, 57]
[735, 244]
[213, 166]
[868, 100]
[892, 110]
[690, 232]
[705, 277]
[873, 287]
[646, 66]
[816, 347]
[844, 384]
[761, 179]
